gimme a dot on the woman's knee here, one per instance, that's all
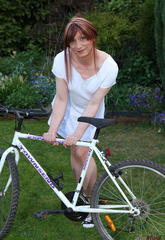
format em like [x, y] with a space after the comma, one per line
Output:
[79, 153]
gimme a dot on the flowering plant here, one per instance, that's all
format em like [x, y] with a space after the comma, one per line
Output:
[158, 120]
[146, 99]
[44, 86]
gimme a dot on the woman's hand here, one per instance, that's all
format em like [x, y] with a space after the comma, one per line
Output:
[50, 137]
[70, 140]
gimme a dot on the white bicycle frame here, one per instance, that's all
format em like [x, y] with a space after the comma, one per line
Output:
[125, 208]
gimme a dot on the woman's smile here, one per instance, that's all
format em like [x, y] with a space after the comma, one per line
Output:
[80, 45]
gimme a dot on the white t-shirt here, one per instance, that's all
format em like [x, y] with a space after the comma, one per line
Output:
[80, 92]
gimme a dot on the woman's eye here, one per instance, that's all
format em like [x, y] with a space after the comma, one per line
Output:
[83, 38]
[72, 41]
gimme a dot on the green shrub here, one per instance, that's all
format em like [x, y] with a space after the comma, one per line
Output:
[117, 98]
[22, 97]
[17, 18]
[135, 98]
[138, 69]
[160, 38]
[22, 63]
[8, 84]
[44, 86]
[127, 8]
[145, 29]
[17, 91]
[114, 31]
[36, 22]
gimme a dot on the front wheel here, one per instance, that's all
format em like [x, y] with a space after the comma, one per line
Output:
[9, 197]
[146, 180]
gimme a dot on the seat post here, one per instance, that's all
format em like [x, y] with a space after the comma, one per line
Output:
[96, 133]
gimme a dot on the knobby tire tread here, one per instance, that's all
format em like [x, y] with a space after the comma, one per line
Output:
[15, 195]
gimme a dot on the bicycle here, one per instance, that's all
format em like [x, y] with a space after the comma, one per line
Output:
[127, 202]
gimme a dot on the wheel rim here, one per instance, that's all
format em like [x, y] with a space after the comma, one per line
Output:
[9, 198]
[5, 198]
[149, 187]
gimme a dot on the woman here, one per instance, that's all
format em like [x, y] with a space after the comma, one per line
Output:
[84, 75]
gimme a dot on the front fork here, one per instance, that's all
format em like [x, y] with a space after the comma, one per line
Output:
[2, 162]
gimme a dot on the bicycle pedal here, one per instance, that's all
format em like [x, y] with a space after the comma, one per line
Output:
[41, 215]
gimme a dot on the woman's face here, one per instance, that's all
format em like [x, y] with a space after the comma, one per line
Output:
[80, 46]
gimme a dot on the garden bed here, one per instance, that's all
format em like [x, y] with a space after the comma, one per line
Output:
[127, 116]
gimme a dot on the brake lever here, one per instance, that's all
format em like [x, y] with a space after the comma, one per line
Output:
[45, 110]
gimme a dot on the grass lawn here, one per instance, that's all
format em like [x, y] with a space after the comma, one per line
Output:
[125, 140]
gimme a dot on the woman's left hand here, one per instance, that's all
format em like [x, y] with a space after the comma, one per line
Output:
[70, 140]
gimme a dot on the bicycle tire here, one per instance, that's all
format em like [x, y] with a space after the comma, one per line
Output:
[146, 179]
[8, 200]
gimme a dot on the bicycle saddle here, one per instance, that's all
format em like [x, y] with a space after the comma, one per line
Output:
[97, 122]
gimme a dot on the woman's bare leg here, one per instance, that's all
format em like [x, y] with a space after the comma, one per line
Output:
[78, 157]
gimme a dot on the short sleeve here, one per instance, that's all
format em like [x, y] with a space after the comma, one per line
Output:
[109, 73]
[58, 68]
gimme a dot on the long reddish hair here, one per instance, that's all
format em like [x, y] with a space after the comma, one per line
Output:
[89, 31]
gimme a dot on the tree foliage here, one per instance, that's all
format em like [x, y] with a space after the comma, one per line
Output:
[128, 8]
[145, 29]
[160, 37]
[17, 19]
[24, 23]
[115, 32]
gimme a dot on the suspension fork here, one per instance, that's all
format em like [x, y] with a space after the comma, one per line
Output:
[2, 162]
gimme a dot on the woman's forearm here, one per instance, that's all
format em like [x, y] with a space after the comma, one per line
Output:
[58, 112]
[91, 110]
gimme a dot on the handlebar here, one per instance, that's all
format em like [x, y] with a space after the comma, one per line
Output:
[25, 113]
[21, 114]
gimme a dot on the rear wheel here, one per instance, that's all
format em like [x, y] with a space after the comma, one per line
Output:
[147, 182]
[9, 198]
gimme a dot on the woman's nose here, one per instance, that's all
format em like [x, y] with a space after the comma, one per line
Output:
[78, 44]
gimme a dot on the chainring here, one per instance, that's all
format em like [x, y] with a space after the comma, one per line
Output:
[75, 216]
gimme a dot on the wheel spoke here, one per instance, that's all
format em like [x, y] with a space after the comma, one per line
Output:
[147, 182]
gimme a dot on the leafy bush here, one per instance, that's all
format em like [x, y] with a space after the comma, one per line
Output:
[114, 32]
[145, 29]
[22, 97]
[130, 8]
[17, 91]
[21, 63]
[17, 18]
[44, 87]
[137, 98]
[160, 38]
[117, 97]
[138, 69]
[127, 33]
[36, 22]
[8, 84]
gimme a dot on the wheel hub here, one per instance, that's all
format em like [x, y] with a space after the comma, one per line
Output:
[143, 208]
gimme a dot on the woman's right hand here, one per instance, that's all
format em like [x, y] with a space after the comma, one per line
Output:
[50, 137]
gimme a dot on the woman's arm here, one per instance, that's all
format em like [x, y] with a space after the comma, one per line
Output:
[58, 110]
[90, 111]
